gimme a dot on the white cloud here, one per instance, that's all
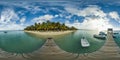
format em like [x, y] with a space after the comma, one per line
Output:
[68, 17]
[115, 16]
[61, 15]
[8, 15]
[22, 20]
[56, 15]
[26, 5]
[92, 24]
[8, 20]
[12, 27]
[94, 18]
[32, 8]
[89, 11]
[96, 23]
[44, 18]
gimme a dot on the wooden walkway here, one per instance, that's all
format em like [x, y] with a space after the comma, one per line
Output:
[110, 50]
[50, 51]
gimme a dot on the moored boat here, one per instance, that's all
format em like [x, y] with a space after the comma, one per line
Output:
[5, 31]
[115, 33]
[84, 42]
[101, 35]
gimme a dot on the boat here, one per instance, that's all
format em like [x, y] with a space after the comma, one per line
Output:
[114, 36]
[115, 33]
[100, 36]
[5, 31]
[84, 42]
[102, 33]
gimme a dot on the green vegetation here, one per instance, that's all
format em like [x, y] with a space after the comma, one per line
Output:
[49, 26]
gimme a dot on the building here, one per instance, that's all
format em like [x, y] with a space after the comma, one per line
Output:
[110, 30]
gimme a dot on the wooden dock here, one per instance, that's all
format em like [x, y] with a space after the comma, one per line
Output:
[110, 50]
[50, 51]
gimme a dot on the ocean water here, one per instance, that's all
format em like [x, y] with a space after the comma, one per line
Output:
[19, 42]
[71, 42]
[117, 39]
[22, 42]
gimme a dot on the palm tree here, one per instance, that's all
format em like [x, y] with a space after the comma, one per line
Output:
[49, 26]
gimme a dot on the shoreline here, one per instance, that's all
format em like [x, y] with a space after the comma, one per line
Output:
[50, 32]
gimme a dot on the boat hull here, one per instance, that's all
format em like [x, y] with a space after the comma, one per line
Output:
[84, 43]
[99, 37]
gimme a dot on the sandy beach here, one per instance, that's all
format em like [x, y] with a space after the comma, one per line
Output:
[50, 32]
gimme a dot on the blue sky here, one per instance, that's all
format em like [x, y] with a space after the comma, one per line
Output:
[82, 14]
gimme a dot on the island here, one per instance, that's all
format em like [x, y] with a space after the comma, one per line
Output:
[49, 28]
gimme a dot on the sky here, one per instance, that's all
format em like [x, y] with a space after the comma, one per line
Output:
[82, 14]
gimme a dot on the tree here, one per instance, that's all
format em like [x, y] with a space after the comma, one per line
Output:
[49, 26]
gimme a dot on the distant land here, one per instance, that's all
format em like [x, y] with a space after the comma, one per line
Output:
[49, 26]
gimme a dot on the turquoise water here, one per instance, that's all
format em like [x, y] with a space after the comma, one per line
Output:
[117, 39]
[71, 42]
[21, 42]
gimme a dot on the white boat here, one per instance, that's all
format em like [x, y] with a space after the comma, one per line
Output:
[101, 35]
[84, 42]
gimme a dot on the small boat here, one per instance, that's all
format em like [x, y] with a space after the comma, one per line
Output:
[100, 36]
[84, 42]
[115, 33]
[5, 31]
[102, 33]
[114, 36]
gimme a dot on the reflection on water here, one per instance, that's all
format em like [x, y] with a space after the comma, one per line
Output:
[19, 42]
[71, 42]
